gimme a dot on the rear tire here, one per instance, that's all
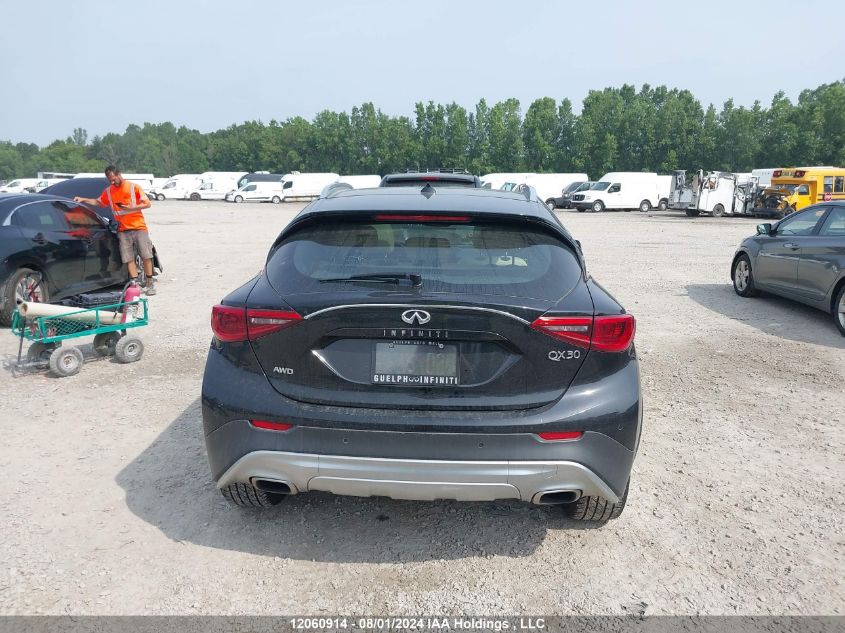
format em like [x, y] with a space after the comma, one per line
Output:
[596, 509]
[18, 285]
[105, 344]
[246, 496]
[551, 204]
[718, 211]
[598, 206]
[663, 205]
[645, 206]
[66, 361]
[40, 352]
[129, 349]
[839, 310]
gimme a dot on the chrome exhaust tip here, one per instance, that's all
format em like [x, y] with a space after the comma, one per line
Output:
[272, 486]
[556, 497]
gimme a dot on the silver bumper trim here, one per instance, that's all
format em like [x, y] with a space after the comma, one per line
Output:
[423, 480]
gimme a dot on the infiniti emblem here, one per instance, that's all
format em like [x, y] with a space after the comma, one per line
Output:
[421, 317]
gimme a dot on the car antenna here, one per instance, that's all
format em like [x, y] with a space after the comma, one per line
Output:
[428, 190]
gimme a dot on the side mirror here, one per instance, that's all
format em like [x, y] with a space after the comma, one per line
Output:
[764, 229]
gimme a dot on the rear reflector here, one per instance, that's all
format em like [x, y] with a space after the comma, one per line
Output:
[231, 324]
[271, 426]
[560, 436]
[603, 333]
[422, 218]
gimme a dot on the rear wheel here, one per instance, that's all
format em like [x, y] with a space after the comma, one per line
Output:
[839, 310]
[743, 278]
[645, 205]
[596, 509]
[598, 206]
[663, 205]
[718, 211]
[551, 203]
[129, 349]
[246, 496]
[40, 352]
[24, 285]
[66, 361]
[105, 344]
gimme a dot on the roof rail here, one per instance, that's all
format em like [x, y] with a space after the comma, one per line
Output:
[335, 188]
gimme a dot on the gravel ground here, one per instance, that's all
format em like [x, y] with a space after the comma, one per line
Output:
[736, 501]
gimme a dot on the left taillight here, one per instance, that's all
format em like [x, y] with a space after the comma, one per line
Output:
[231, 324]
[614, 333]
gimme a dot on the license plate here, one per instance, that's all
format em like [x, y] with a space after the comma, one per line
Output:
[416, 364]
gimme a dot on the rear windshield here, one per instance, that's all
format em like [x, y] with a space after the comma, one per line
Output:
[466, 258]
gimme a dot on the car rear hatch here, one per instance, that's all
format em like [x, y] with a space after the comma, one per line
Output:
[420, 313]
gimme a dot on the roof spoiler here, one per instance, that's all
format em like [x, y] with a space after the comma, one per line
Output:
[334, 188]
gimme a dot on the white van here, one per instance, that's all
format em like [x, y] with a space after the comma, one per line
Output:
[296, 186]
[257, 192]
[361, 182]
[176, 187]
[19, 185]
[620, 190]
[215, 185]
[551, 186]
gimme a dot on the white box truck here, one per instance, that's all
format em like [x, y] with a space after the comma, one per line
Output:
[297, 186]
[497, 180]
[361, 182]
[717, 193]
[620, 190]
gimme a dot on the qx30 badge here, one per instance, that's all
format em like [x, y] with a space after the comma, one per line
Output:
[420, 317]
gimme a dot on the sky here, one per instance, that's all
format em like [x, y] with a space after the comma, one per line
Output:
[104, 65]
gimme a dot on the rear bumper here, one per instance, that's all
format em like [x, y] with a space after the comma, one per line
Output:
[418, 454]
[423, 480]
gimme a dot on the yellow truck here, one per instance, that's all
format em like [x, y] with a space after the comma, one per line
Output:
[792, 189]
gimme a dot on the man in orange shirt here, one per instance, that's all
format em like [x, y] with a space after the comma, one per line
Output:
[127, 201]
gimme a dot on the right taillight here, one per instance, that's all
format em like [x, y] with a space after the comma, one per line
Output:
[613, 333]
[231, 324]
[602, 333]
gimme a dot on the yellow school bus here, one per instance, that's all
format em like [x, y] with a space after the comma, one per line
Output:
[800, 187]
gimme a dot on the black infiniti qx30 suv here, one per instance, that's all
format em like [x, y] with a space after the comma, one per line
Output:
[424, 343]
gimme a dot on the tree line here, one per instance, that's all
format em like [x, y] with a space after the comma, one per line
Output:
[618, 129]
